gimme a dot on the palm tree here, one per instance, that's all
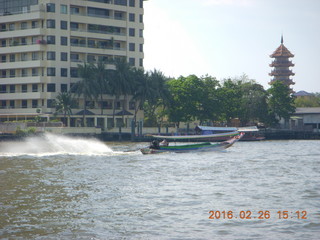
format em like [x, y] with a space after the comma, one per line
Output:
[64, 103]
[143, 90]
[86, 86]
[120, 82]
[101, 80]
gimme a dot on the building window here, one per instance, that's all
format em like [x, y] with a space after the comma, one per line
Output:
[132, 47]
[63, 9]
[35, 56]
[91, 58]
[64, 25]
[3, 74]
[12, 58]
[64, 41]
[118, 15]
[3, 43]
[3, 58]
[141, 33]
[64, 87]
[24, 88]
[64, 72]
[34, 103]
[24, 103]
[50, 103]
[141, 47]
[51, 71]
[35, 72]
[3, 27]
[131, 17]
[12, 105]
[51, 39]
[34, 87]
[51, 87]
[131, 32]
[74, 57]
[24, 72]
[74, 26]
[64, 56]
[120, 2]
[51, 7]
[141, 3]
[12, 73]
[132, 62]
[11, 27]
[75, 10]
[24, 25]
[132, 3]
[51, 23]
[35, 24]
[74, 72]
[51, 55]
[24, 57]
[3, 88]
[12, 88]
[141, 18]
[23, 41]
[141, 62]
[98, 12]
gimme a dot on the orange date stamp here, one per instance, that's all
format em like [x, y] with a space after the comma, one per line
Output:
[261, 214]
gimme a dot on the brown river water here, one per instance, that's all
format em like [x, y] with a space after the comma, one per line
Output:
[56, 187]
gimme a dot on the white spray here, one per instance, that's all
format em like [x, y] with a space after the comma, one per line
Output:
[55, 144]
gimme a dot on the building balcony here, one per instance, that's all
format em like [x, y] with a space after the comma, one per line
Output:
[21, 95]
[16, 47]
[21, 80]
[35, 12]
[22, 64]
[86, 48]
[22, 33]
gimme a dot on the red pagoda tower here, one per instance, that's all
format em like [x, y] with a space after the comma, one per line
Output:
[281, 65]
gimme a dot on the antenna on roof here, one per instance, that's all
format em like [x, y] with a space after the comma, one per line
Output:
[281, 38]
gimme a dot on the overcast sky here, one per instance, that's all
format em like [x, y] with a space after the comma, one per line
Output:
[229, 38]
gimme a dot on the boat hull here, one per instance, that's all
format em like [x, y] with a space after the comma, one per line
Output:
[200, 147]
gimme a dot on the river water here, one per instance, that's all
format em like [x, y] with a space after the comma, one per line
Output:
[58, 187]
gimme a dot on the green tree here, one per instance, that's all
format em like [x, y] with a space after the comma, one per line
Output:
[64, 104]
[101, 79]
[307, 101]
[281, 101]
[86, 87]
[254, 105]
[186, 99]
[230, 95]
[157, 97]
[120, 82]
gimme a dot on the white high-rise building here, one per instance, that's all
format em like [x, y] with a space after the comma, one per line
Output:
[43, 41]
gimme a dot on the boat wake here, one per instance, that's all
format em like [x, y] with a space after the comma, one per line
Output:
[51, 144]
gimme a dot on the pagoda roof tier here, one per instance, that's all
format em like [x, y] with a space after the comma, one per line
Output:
[281, 51]
[281, 73]
[281, 64]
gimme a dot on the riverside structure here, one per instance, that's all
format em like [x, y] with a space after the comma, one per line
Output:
[43, 41]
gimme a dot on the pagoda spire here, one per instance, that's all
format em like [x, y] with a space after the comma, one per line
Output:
[281, 38]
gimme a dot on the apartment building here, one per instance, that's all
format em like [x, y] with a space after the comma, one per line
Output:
[43, 41]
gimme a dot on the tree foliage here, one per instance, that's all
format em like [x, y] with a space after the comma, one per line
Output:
[281, 101]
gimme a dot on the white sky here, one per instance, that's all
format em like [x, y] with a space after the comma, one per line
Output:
[228, 38]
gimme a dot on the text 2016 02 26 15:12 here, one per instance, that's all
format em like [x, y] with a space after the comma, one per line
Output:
[262, 214]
